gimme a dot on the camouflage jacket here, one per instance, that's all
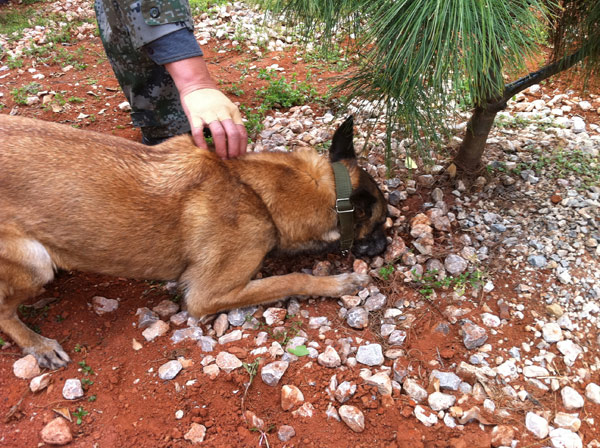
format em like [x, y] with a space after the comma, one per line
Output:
[146, 20]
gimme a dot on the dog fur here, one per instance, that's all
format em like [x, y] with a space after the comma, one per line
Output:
[80, 200]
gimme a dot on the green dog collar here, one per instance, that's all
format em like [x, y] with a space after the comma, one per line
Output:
[343, 206]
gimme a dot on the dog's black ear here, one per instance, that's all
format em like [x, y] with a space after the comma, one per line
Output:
[342, 146]
[363, 202]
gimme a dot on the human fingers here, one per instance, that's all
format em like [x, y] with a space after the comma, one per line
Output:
[219, 136]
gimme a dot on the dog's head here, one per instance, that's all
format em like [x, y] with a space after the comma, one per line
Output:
[370, 207]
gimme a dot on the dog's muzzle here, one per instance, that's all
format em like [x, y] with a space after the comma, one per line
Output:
[373, 244]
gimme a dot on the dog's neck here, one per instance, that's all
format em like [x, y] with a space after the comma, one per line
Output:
[308, 183]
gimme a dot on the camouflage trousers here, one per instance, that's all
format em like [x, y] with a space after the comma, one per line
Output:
[150, 90]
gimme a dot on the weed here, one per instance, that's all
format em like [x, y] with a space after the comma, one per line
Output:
[87, 370]
[80, 413]
[77, 348]
[429, 282]
[299, 351]
[59, 318]
[254, 119]
[20, 94]
[92, 398]
[2, 342]
[75, 99]
[386, 271]
[14, 62]
[236, 88]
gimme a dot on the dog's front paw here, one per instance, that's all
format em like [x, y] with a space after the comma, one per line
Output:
[48, 353]
[352, 283]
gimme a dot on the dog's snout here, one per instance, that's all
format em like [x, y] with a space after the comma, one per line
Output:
[373, 244]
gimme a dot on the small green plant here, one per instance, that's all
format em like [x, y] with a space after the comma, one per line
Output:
[14, 62]
[87, 370]
[430, 281]
[236, 88]
[86, 383]
[77, 348]
[79, 414]
[92, 398]
[299, 351]
[59, 318]
[2, 342]
[20, 94]
[386, 271]
[75, 99]
[281, 93]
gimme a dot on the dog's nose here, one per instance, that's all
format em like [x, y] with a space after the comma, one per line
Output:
[374, 244]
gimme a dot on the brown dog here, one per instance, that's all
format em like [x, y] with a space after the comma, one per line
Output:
[81, 200]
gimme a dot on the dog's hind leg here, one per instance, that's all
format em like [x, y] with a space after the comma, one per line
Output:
[25, 266]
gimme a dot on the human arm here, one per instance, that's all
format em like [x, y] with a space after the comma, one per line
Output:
[206, 106]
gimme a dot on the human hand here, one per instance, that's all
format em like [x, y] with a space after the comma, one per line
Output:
[208, 107]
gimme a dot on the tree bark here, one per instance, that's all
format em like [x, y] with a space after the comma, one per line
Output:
[480, 124]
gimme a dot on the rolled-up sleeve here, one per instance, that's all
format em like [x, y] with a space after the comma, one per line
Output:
[173, 47]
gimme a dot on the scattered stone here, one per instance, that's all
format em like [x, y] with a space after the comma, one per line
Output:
[357, 318]
[448, 380]
[39, 382]
[382, 381]
[370, 355]
[102, 305]
[592, 393]
[455, 264]
[537, 261]
[286, 433]
[169, 370]
[228, 362]
[232, 336]
[425, 416]
[196, 433]
[397, 337]
[473, 335]
[57, 432]
[567, 421]
[414, 391]
[502, 435]
[570, 350]
[220, 325]
[189, 333]
[72, 389]
[329, 358]
[156, 329]
[563, 438]
[305, 411]
[537, 425]
[272, 373]
[26, 367]
[551, 332]
[439, 401]
[146, 317]
[291, 397]
[571, 398]
[344, 392]
[274, 316]
[352, 417]
[535, 371]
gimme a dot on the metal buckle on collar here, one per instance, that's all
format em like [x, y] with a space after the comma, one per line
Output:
[346, 206]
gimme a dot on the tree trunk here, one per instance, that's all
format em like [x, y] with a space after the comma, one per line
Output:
[480, 124]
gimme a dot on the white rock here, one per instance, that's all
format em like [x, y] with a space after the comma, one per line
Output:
[306, 411]
[585, 105]
[439, 401]
[102, 305]
[72, 389]
[39, 382]
[537, 425]
[221, 324]
[382, 381]
[507, 369]
[232, 336]
[567, 421]
[353, 417]
[57, 432]
[344, 391]
[563, 438]
[155, 330]
[370, 355]
[425, 416]
[169, 370]
[551, 332]
[196, 433]
[272, 373]
[26, 367]
[490, 320]
[592, 393]
[570, 350]
[274, 315]
[535, 371]
[414, 391]
[571, 398]
[124, 106]
[329, 358]
[578, 125]
[228, 362]
[291, 397]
